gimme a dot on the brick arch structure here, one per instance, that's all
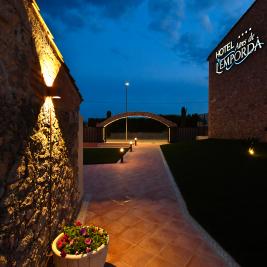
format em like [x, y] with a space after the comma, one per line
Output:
[171, 125]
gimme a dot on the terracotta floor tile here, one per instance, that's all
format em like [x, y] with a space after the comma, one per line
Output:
[197, 261]
[157, 218]
[115, 214]
[188, 241]
[176, 255]
[136, 257]
[166, 234]
[117, 248]
[132, 235]
[129, 220]
[159, 262]
[99, 221]
[152, 244]
[146, 226]
[115, 228]
[118, 264]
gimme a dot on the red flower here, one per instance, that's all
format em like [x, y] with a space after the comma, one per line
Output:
[78, 223]
[59, 244]
[63, 254]
[88, 241]
[88, 250]
[65, 238]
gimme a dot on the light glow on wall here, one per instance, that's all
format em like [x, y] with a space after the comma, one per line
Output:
[49, 55]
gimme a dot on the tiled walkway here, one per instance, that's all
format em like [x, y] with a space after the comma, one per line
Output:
[137, 204]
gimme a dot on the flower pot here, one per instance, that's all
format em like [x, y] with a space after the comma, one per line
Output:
[96, 258]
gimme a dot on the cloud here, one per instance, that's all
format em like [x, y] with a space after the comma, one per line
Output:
[114, 9]
[73, 12]
[189, 50]
[206, 22]
[166, 16]
[200, 5]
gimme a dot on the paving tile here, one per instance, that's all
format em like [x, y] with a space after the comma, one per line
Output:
[115, 228]
[146, 226]
[117, 248]
[136, 257]
[153, 244]
[118, 264]
[188, 241]
[159, 262]
[115, 214]
[198, 261]
[166, 234]
[129, 220]
[133, 235]
[176, 255]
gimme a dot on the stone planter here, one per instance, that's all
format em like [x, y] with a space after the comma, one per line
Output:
[93, 259]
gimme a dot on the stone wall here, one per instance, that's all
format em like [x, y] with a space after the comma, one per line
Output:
[38, 138]
[238, 97]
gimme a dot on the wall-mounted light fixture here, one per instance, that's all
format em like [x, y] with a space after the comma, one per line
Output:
[53, 92]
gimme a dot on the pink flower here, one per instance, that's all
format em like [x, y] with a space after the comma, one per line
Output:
[88, 241]
[78, 223]
[71, 242]
[63, 254]
[88, 250]
[77, 253]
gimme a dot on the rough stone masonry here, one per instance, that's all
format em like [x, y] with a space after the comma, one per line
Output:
[38, 138]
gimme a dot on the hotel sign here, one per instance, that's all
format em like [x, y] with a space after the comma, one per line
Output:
[234, 53]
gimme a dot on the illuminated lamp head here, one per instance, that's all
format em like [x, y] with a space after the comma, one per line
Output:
[122, 150]
[251, 151]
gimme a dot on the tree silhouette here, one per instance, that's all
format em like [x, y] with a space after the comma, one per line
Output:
[109, 114]
[183, 117]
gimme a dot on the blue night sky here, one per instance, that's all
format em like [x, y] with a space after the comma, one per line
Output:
[160, 46]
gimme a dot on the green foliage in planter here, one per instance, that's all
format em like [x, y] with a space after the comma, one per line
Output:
[80, 239]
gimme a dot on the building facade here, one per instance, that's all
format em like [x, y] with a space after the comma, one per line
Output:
[238, 79]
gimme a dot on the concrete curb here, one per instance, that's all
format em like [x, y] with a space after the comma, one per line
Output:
[85, 203]
[213, 243]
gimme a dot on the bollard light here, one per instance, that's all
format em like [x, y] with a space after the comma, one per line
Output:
[122, 152]
[135, 141]
[131, 146]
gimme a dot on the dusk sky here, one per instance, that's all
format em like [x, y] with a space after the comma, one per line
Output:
[160, 46]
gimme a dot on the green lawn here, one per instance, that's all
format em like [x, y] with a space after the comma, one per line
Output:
[101, 155]
[225, 190]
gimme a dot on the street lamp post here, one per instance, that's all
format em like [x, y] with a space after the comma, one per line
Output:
[126, 110]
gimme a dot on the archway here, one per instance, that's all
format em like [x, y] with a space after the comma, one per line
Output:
[170, 125]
